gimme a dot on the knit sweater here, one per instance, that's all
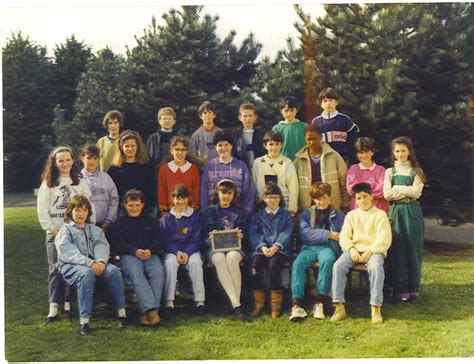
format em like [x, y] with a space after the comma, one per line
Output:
[158, 146]
[238, 172]
[52, 202]
[201, 144]
[366, 230]
[333, 171]
[339, 131]
[169, 176]
[281, 168]
[108, 147]
[293, 137]
[397, 193]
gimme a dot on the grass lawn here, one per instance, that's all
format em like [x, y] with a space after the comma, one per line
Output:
[12, 199]
[440, 325]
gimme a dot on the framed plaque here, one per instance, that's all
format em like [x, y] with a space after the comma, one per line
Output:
[225, 240]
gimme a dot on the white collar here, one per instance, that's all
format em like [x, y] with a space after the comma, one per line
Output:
[268, 211]
[248, 131]
[287, 122]
[329, 115]
[371, 168]
[174, 167]
[189, 211]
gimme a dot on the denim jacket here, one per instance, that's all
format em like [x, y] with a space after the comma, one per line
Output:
[81, 246]
[311, 235]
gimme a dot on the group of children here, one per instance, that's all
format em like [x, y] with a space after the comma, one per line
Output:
[158, 206]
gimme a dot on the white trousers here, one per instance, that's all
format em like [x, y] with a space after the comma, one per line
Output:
[228, 271]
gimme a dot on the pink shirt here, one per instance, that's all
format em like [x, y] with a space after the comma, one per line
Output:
[374, 176]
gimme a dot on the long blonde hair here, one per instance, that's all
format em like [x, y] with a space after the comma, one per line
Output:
[141, 156]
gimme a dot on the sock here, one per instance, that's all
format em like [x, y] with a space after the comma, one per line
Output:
[199, 303]
[67, 306]
[121, 312]
[169, 304]
[297, 303]
[84, 320]
[53, 309]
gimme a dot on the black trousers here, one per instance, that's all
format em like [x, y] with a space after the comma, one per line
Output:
[273, 264]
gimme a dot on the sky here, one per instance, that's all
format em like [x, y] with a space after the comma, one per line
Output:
[103, 23]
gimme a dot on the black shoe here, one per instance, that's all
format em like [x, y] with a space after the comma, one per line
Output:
[239, 312]
[50, 319]
[121, 322]
[84, 329]
[166, 312]
[412, 299]
[199, 310]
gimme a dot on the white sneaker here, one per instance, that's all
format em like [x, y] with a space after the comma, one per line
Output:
[297, 314]
[318, 311]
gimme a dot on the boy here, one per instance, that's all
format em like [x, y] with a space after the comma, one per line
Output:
[365, 238]
[277, 169]
[202, 145]
[318, 162]
[339, 131]
[319, 235]
[291, 128]
[248, 145]
[108, 145]
[104, 193]
[158, 144]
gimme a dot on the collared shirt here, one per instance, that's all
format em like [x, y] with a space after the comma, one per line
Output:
[184, 168]
[371, 168]
[189, 211]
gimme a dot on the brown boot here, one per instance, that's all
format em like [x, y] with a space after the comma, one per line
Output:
[339, 313]
[377, 315]
[259, 302]
[277, 300]
[144, 319]
[153, 317]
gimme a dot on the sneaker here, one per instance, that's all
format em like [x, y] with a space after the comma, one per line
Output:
[166, 312]
[318, 311]
[121, 322]
[297, 314]
[84, 329]
[50, 319]
[239, 312]
[199, 310]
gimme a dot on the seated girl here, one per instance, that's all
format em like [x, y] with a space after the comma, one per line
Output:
[224, 214]
[135, 238]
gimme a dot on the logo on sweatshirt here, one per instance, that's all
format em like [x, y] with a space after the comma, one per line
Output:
[62, 200]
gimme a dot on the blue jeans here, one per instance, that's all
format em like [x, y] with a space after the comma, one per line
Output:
[147, 277]
[84, 280]
[376, 277]
[305, 259]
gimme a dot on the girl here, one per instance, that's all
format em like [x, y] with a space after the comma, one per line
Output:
[135, 238]
[367, 171]
[83, 253]
[402, 186]
[178, 168]
[113, 122]
[104, 193]
[61, 180]
[131, 170]
[224, 214]
[181, 236]
[270, 234]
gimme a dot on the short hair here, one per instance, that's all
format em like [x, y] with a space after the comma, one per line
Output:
[179, 139]
[180, 190]
[113, 115]
[314, 129]
[78, 201]
[247, 106]
[134, 195]
[223, 136]
[364, 144]
[273, 189]
[276, 136]
[225, 185]
[90, 150]
[361, 187]
[166, 111]
[328, 93]
[142, 155]
[289, 101]
[319, 189]
[207, 105]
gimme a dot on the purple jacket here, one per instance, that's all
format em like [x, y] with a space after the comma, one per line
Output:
[181, 234]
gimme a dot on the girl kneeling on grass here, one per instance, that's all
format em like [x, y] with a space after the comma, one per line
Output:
[181, 235]
[61, 180]
[83, 253]
[224, 214]
[135, 238]
[270, 234]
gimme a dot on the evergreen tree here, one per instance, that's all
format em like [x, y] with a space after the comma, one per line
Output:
[28, 103]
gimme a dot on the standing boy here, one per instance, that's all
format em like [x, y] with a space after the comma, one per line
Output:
[158, 144]
[291, 128]
[248, 143]
[339, 131]
[365, 238]
[108, 145]
[202, 145]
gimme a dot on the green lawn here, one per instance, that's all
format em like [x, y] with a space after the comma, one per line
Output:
[440, 325]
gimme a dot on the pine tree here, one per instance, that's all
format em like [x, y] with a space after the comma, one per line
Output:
[27, 100]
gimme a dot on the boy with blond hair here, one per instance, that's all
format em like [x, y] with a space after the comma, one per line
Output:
[158, 144]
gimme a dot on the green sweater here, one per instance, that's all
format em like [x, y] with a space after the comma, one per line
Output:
[293, 137]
